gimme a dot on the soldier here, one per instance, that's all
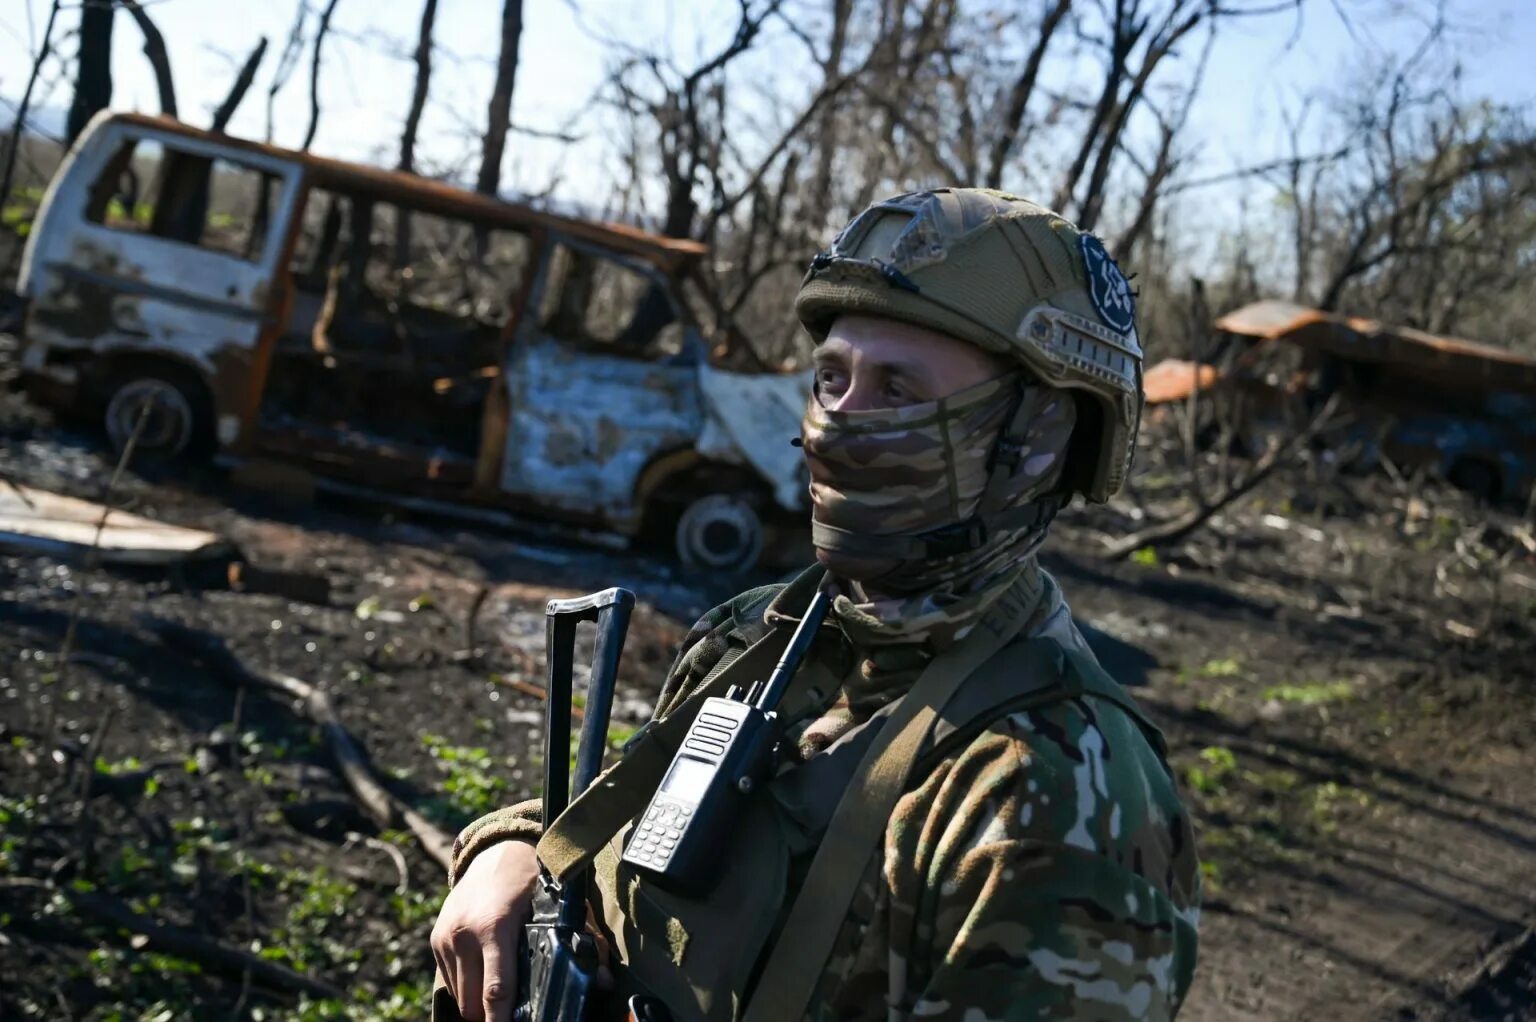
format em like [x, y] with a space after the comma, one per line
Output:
[976, 365]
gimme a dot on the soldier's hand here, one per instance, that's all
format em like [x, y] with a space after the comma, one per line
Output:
[475, 940]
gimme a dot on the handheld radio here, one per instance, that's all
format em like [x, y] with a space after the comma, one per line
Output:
[727, 752]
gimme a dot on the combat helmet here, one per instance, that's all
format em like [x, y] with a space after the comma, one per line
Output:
[1008, 276]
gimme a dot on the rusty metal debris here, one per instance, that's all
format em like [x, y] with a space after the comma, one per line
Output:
[1459, 409]
[1174, 379]
[1441, 360]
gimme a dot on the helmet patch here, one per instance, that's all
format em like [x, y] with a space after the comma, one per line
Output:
[1107, 286]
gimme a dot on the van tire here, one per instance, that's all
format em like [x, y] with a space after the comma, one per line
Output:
[720, 532]
[179, 419]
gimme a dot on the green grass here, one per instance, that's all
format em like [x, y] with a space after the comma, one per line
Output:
[1311, 693]
[1227, 667]
[1211, 775]
[405, 1001]
[471, 783]
[620, 734]
[1330, 800]
[118, 213]
[1231, 667]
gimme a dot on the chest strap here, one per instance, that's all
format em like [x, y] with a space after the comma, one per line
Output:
[789, 977]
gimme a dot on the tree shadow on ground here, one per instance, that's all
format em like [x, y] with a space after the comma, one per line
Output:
[199, 699]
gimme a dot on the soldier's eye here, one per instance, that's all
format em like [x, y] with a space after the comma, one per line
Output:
[899, 393]
[831, 382]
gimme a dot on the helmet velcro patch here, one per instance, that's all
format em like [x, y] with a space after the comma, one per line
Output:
[1107, 286]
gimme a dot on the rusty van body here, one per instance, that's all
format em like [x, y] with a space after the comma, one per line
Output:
[197, 292]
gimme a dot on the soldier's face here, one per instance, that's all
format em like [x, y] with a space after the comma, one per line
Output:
[867, 363]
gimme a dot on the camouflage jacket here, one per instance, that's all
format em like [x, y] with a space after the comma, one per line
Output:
[1046, 870]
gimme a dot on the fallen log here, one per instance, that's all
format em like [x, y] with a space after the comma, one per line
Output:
[173, 940]
[384, 808]
[306, 587]
[143, 933]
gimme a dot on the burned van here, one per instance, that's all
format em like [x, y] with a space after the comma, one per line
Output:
[201, 294]
[1457, 409]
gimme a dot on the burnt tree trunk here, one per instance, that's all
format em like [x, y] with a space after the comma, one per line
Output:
[238, 90]
[19, 125]
[159, 60]
[314, 75]
[1018, 96]
[287, 60]
[413, 123]
[819, 202]
[93, 79]
[499, 116]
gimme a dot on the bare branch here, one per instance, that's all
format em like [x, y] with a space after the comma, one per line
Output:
[286, 61]
[412, 124]
[1177, 528]
[1018, 96]
[19, 123]
[314, 74]
[154, 49]
[382, 806]
[1162, 44]
[499, 115]
[238, 90]
[423, 58]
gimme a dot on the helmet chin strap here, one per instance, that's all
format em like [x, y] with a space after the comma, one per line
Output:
[975, 532]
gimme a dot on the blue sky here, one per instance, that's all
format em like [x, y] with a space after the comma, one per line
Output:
[1258, 67]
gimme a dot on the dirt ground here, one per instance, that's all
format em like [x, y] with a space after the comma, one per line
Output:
[1342, 669]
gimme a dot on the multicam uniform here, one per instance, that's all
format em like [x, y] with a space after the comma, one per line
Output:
[1039, 863]
[1045, 871]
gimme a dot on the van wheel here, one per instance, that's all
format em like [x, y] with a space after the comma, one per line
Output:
[720, 532]
[174, 415]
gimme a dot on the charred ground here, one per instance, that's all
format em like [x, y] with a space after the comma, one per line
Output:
[1341, 666]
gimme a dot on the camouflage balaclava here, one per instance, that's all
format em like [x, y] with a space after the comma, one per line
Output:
[924, 469]
[949, 500]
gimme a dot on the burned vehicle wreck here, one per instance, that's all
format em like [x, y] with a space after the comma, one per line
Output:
[202, 294]
[1456, 409]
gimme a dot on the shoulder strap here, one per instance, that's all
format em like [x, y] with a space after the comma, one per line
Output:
[809, 794]
[789, 977]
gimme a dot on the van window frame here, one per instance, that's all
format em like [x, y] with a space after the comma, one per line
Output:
[284, 174]
[692, 346]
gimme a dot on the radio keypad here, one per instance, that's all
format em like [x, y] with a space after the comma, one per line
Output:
[658, 833]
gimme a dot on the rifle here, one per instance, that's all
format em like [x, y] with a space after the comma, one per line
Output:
[561, 961]
[559, 957]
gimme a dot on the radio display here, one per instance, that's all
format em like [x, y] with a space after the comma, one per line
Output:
[688, 779]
